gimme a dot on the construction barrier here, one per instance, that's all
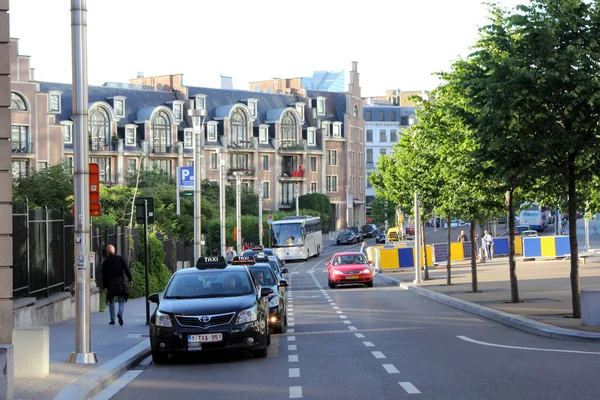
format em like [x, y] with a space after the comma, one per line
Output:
[395, 257]
[458, 251]
[546, 246]
[501, 246]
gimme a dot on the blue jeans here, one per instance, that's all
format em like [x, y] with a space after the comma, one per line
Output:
[111, 307]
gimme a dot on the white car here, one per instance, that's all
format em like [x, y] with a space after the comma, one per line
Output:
[529, 233]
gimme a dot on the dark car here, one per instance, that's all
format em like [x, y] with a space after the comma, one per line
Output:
[276, 265]
[380, 237]
[369, 230]
[252, 252]
[357, 233]
[214, 306]
[346, 237]
[266, 278]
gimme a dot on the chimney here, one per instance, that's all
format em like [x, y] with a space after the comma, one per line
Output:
[140, 74]
[354, 66]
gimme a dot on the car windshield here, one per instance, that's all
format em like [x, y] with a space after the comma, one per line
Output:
[274, 264]
[263, 275]
[346, 233]
[209, 283]
[252, 253]
[349, 259]
[287, 235]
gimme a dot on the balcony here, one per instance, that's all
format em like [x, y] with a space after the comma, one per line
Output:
[243, 144]
[289, 145]
[22, 148]
[291, 175]
[246, 172]
[162, 149]
[101, 145]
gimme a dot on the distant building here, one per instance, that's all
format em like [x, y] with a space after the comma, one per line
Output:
[325, 81]
[397, 98]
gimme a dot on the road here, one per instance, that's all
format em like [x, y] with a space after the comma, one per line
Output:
[380, 343]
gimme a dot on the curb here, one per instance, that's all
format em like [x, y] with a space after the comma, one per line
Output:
[515, 321]
[94, 381]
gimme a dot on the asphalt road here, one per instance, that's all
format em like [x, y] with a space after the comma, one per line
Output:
[380, 343]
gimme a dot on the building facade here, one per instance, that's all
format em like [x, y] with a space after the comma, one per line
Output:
[287, 144]
[397, 98]
[383, 127]
[326, 81]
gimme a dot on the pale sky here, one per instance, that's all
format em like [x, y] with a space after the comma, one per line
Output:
[397, 43]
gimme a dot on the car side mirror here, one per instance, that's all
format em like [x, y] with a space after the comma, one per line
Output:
[283, 283]
[328, 264]
[264, 292]
[154, 298]
[284, 271]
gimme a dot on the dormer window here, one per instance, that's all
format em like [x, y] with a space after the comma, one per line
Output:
[253, 108]
[119, 106]
[325, 128]
[130, 134]
[320, 106]
[188, 138]
[178, 110]
[200, 102]
[300, 110]
[312, 136]
[337, 129]
[211, 127]
[54, 102]
[263, 134]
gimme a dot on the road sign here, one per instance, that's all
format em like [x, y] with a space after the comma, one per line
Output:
[186, 178]
[139, 210]
[270, 220]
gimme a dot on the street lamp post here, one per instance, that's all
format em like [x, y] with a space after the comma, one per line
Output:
[347, 206]
[238, 210]
[297, 190]
[198, 119]
[260, 222]
[417, 240]
[222, 202]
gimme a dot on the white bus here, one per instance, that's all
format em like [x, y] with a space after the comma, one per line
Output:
[534, 216]
[297, 237]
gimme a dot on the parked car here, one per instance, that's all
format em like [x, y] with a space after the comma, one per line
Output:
[380, 237]
[349, 268]
[519, 229]
[357, 233]
[346, 237]
[529, 233]
[369, 230]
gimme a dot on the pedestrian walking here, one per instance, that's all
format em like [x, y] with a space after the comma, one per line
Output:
[230, 254]
[363, 249]
[462, 237]
[489, 244]
[114, 270]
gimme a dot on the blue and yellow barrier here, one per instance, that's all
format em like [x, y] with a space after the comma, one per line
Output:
[546, 246]
[501, 246]
[396, 257]
[458, 251]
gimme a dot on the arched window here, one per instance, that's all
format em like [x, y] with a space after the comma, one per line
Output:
[161, 132]
[17, 102]
[239, 129]
[99, 128]
[289, 130]
[355, 111]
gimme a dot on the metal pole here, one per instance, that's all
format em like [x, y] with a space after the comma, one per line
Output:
[197, 197]
[222, 203]
[417, 240]
[147, 262]
[238, 210]
[587, 233]
[260, 221]
[347, 206]
[81, 183]
[297, 190]
[434, 222]
[178, 191]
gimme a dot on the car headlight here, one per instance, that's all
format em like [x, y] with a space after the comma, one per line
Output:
[163, 320]
[274, 302]
[246, 316]
[336, 272]
[366, 271]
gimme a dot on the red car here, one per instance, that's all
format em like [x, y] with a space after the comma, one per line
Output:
[349, 268]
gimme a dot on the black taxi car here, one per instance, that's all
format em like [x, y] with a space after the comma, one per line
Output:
[214, 306]
[266, 278]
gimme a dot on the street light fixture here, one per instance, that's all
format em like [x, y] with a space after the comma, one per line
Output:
[347, 206]
[238, 210]
[260, 209]
[222, 201]
[198, 119]
[297, 190]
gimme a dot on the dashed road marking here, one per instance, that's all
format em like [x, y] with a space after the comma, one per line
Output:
[343, 317]
[359, 335]
[467, 339]
[293, 358]
[378, 354]
[291, 338]
[295, 392]
[339, 312]
[409, 387]
[292, 347]
[391, 369]
[368, 344]
[291, 330]
[294, 372]
[352, 328]
[347, 322]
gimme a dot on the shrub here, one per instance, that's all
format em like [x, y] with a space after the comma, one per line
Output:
[159, 273]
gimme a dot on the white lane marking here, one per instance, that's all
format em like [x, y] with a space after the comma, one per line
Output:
[115, 387]
[295, 272]
[336, 308]
[291, 324]
[347, 322]
[390, 369]
[343, 317]
[378, 354]
[333, 304]
[294, 372]
[339, 312]
[291, 330]
[293, 358]
[352, 328]
[291, 319]
[359, 335]
[295, 392]
[290, 313]
[292, 347]
[291, 308]
[291, 338]
[409, 387]
[467, 339]
[368, 344]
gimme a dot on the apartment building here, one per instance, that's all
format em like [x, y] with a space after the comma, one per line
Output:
[289, 144]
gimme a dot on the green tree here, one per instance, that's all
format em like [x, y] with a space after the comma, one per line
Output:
[382, 210]
[319, 203]
[49, 187]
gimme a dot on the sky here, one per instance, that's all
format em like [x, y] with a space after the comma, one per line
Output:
[398, 44]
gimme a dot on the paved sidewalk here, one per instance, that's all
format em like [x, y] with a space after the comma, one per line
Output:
[108, 342]
[544, 286]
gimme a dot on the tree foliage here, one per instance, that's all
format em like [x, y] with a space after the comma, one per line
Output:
[49, 187]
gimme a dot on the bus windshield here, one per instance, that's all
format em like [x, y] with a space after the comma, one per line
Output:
[288, 235]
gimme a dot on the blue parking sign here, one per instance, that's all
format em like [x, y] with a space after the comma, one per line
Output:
[186, 178]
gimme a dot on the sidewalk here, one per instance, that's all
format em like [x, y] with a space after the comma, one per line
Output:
[108, 342]
[544, 289]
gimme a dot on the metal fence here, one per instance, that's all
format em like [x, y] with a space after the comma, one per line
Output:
[43, 250]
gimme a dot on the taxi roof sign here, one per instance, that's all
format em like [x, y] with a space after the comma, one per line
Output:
[257, 248]
[261, 257]
[245, 260]
[212, 262]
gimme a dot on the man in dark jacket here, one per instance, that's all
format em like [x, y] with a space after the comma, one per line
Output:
[114, 269]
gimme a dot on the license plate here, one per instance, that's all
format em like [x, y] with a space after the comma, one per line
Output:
[352, 277]
[205, 338]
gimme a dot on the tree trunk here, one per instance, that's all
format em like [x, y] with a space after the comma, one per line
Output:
[448, 266]
[473, 257]
[575, 295]
[512, 265]
[424, 250]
